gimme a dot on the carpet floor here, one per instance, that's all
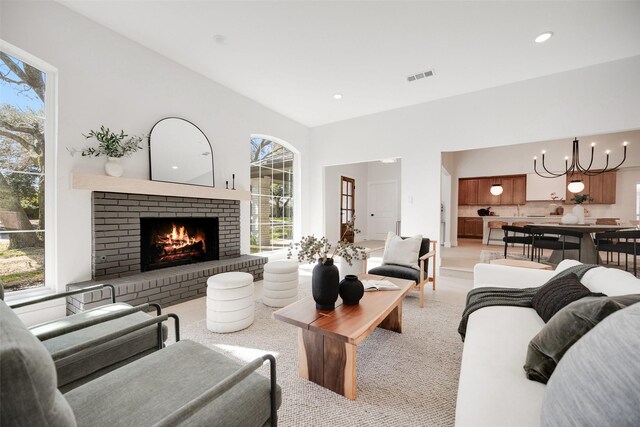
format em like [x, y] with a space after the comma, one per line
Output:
[408, 379]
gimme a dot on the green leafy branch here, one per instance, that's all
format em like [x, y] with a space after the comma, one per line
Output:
[111, 144]
[311, 248]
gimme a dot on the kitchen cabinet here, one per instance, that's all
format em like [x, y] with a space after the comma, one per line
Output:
[519, 190]
[476, 191]
[485, 198]
[470, 227]
[600, 188]
[467, 192]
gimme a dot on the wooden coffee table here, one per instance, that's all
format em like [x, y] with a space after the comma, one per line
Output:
[327, 339]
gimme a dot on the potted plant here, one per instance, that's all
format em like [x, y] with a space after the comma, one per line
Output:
[578, 209]
[114, 146]
[326, 277]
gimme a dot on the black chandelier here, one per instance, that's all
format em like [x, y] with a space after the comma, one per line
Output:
[575, 166]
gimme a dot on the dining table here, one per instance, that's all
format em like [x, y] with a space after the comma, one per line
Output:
[588, 253]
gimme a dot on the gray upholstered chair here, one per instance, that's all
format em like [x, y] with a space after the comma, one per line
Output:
[90, 362]
[421, 276]
[183, 383]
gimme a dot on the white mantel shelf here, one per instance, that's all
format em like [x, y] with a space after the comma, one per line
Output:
[93, 182]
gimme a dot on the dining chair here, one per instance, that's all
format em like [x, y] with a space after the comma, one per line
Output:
[494, 225]
[521, 234]
[606, 221]
[625, 241]
[555, 239]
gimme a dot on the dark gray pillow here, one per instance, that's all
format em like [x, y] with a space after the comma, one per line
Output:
[565, 328]
[596, 382]
[557, 294]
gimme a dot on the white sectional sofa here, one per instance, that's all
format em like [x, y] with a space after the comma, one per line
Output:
[493, 389]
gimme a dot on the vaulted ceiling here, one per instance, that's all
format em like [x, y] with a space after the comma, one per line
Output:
[293, 56]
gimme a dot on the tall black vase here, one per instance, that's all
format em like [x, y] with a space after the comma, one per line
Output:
[324, 284]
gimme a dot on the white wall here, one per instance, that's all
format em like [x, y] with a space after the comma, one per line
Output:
[107, 79]
[332, 174]
[594, 100]
[493, 161]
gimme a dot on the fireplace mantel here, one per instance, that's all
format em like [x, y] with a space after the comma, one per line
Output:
[93, 182]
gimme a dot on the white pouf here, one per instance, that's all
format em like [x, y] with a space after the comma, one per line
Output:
[280, 285]
[230, 302]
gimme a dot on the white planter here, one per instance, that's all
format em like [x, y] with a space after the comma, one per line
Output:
[569, 219]
[578, 210]
[114, 167]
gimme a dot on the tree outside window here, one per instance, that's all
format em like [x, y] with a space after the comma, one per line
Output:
[22, 154]
[271, 196]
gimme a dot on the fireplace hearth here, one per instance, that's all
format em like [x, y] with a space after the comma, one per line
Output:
[168, 242]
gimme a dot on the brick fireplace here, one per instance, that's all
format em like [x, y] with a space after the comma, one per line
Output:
[118, 230]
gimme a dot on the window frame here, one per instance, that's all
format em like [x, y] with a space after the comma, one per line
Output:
[296, 195]
[50, 173]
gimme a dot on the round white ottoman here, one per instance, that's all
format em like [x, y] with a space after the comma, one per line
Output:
[280, 285]
[230, 302]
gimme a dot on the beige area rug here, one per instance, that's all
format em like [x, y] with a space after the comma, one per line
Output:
[408, 379]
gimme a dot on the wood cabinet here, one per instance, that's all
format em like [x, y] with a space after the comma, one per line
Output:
[476, 191]
[600, 188]
[485, 198]
[470, 227]
[467, 192]
[520, 190]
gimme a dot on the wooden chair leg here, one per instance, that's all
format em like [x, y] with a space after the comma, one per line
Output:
[421, 295]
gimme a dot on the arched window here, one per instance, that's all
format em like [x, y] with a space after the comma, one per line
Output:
[272, 169]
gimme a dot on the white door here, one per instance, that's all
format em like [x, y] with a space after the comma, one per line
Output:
[383, 209]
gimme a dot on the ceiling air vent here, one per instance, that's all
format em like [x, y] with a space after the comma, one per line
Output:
[420, 76]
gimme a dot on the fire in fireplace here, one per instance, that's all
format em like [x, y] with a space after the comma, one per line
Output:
[167, 242]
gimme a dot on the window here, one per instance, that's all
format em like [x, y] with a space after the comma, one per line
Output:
[271, 196]
[22, 165]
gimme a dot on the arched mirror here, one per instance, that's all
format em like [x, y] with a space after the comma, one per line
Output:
[180, 152]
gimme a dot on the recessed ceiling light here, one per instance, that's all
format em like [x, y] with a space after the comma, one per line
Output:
[174, 167]
[544, 37]
[337, 96]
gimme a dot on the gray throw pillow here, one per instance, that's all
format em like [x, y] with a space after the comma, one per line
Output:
[565, 328]
[557, 294]
[596, 382]
[28, 386]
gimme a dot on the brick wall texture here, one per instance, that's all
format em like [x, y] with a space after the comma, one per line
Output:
[166, 286]
[116, 251]
[116, 227]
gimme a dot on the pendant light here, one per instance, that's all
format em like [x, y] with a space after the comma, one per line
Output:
[496, 189]
[575, 186]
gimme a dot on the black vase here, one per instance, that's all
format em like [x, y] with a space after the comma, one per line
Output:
[351, 289]
[324, 284]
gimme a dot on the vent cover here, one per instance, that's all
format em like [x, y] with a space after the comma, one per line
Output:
[419, 76]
